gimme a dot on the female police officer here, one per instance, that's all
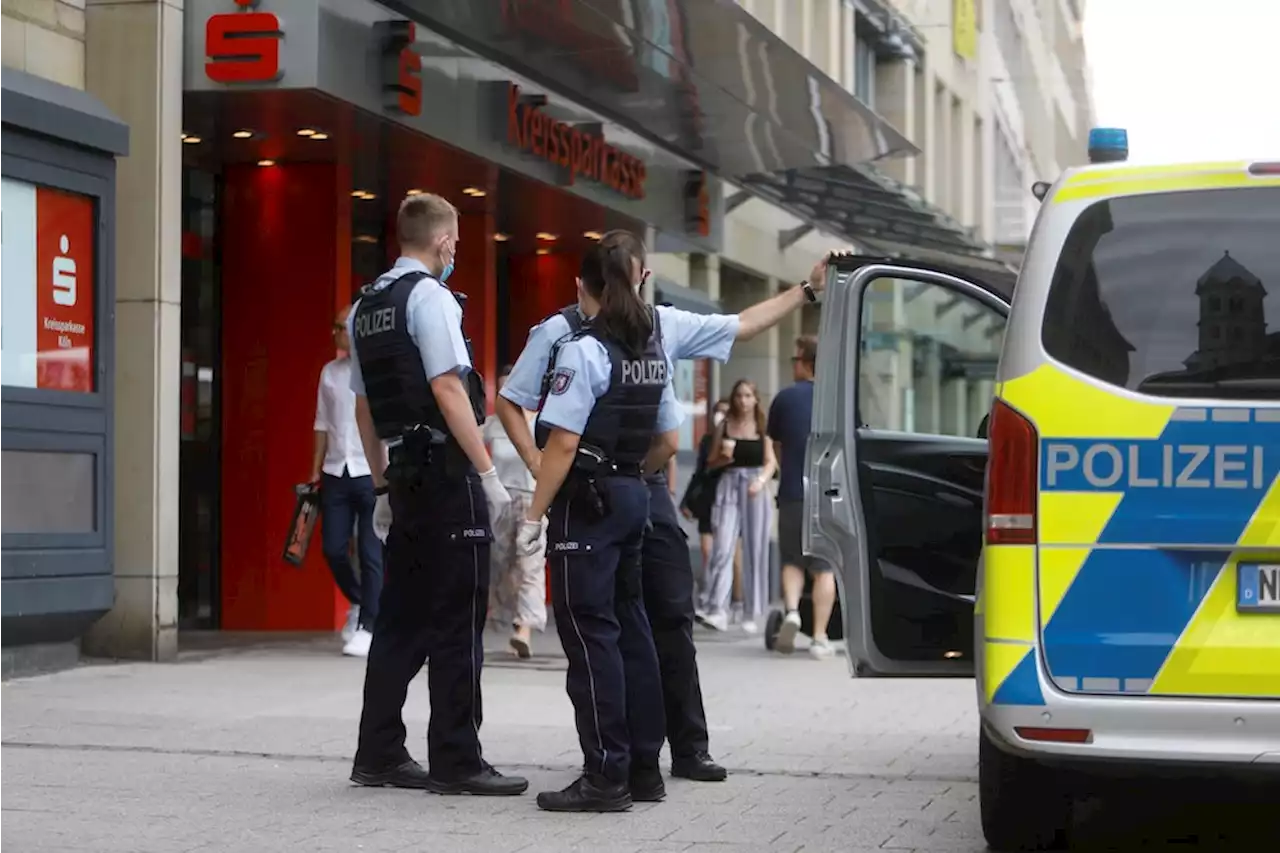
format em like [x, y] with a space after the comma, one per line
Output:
[666, 567]
[595, 429]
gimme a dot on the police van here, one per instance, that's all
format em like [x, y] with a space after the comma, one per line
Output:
[1068, 488]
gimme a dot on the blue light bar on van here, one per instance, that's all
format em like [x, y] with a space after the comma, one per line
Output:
[1108, 145]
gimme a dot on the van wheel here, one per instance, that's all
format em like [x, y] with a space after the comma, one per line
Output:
[1024, 807]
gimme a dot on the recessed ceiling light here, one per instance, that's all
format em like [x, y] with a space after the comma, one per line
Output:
[318, 137]
[306, 131]
[365, 238]
[190, 139]
[266, 162]
[544, 251]
[592, 235]
[363, 195]
[243, 134]
[475, 192]
[414, 191]
[543, 235]
[500, 237]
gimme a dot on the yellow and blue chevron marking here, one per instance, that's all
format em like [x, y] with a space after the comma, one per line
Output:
[1145, 512]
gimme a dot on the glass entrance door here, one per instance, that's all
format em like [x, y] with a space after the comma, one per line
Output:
[199, 456]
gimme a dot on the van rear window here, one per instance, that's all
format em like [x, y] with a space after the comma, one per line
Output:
[1173, 294]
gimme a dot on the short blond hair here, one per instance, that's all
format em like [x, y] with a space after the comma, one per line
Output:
[421, 218]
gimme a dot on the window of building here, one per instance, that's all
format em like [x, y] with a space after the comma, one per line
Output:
[864, 72]
[1143, 272]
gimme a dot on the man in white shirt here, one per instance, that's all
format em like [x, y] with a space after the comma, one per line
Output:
[346, 495]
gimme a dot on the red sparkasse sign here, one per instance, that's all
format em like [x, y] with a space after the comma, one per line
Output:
[243, 46]
[579, 151]
[64, 291]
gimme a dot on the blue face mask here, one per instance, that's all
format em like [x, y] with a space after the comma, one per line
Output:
[448, 268]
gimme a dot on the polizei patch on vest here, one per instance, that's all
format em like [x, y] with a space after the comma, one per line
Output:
[475, 533]
[644, 371]
[375, 322]
[561, 380]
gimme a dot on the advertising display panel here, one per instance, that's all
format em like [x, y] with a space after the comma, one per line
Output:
[48, 276]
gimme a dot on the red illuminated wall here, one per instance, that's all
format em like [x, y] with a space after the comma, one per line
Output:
[286, 246]
[539, 285]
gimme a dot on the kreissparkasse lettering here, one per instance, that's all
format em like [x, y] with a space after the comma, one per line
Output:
[580, 152]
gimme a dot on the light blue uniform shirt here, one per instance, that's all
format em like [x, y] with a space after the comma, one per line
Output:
[685, 335]
[434, 320]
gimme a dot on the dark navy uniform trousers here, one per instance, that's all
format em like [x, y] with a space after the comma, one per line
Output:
[668, 599]
[613, 680]
[434, 598]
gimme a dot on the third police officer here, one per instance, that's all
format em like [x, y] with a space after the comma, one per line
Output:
[419, 404]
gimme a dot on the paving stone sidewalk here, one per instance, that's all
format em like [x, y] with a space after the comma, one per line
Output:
[246, 747]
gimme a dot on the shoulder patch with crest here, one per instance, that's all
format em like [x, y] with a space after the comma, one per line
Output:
[561, 380]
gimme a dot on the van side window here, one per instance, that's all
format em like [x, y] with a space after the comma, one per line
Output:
[928, 357]
[1172, 294]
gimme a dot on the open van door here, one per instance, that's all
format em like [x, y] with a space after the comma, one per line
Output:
[897, 457]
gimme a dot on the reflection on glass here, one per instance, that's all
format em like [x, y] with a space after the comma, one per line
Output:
[928, 359]
[1167, 294]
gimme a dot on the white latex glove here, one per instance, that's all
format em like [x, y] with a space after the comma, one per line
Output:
[382, 518]
[496, 496]
[527, 536]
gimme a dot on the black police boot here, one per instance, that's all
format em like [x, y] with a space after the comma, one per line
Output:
[407, 775]
[589, 793]
[699, 767]
[646, 781]
[487, 783]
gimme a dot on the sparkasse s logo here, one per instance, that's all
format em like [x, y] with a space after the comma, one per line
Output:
[243, 46]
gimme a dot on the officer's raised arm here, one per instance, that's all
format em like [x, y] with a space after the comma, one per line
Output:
[687, 335]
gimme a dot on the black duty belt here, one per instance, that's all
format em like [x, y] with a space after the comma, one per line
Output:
[622, 469]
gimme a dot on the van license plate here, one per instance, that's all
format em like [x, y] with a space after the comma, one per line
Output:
[1258, 588]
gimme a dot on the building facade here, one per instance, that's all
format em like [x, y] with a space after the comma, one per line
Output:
[65, 169]
[268, 145]
[993, 95]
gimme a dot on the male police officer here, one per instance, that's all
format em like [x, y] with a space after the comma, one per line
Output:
[416, 391]
[667, 570]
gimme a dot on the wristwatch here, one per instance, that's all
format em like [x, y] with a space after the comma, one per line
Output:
[379, 491]
[809, 292]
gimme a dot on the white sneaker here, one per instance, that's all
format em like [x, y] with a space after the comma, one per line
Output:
[353, 623]
[785, 642]
[750, 627]
[358, 645]
[716, 621]
[821, 649]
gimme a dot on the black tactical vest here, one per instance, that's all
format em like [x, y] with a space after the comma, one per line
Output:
[395, 381]
[623, 421]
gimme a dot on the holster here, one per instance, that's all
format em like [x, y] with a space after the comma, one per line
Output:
[589, 494]
[427, 452]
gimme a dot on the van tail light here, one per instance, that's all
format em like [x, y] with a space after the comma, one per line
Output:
[1012, 472]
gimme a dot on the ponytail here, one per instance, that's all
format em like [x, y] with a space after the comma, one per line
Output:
[607, 270]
